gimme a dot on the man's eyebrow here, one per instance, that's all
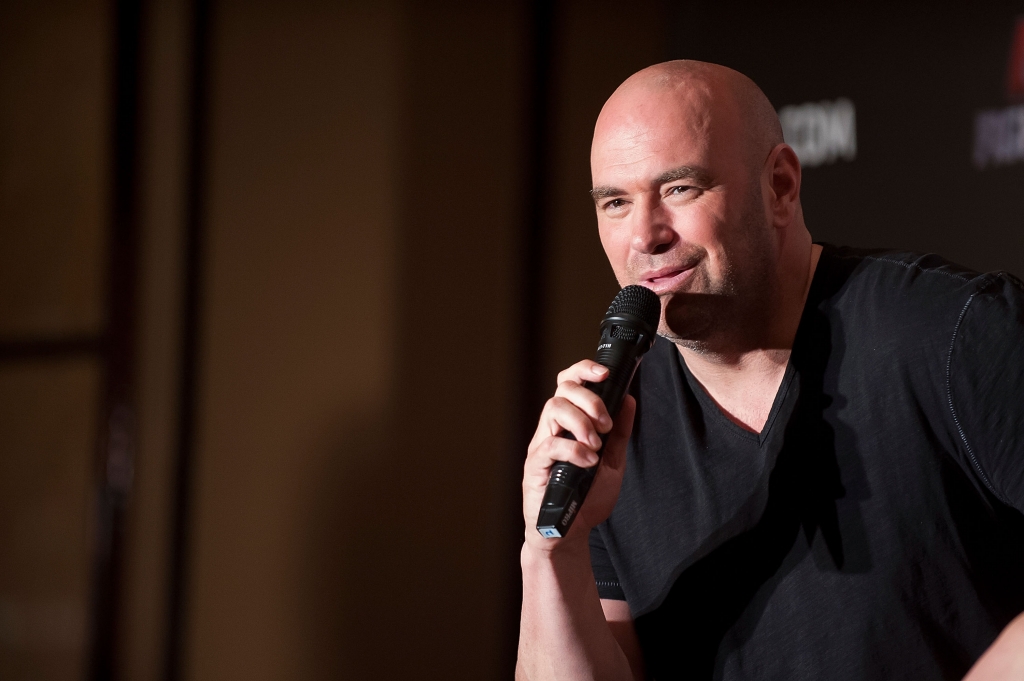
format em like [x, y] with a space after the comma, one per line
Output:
[699, 175]
[695, 173]
[599, 193]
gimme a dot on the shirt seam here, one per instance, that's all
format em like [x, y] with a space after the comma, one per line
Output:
[916, 265]
[952, 408]
[949, 361]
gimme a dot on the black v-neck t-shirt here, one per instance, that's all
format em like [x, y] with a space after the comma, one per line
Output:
[874, 528]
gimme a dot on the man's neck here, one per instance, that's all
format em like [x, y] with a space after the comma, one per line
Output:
[744, 384]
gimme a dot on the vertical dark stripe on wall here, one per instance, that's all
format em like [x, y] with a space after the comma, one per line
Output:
[542, 34]
[116, 441]
[195, 184]
[537, 181]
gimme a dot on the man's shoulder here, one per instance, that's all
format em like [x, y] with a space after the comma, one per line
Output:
[898, 308]
[890, 267]
[877, 281]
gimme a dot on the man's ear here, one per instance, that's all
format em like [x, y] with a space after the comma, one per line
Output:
[783, 177]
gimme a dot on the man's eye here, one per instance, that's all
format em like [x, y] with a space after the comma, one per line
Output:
[680, 189]
[614, 203]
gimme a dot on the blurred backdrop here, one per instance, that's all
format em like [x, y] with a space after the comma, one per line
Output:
[283, 286]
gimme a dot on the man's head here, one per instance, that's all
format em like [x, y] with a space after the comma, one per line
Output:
[697, 197]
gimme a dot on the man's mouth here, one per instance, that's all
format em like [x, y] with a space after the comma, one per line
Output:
[666, 279]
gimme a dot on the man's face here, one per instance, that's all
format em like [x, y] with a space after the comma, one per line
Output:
[680, 211]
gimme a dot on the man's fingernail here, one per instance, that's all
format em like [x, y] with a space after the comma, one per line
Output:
[600, 370]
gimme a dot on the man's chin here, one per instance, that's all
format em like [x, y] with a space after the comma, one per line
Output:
[686, 333]
[695, 346]
[689, 316]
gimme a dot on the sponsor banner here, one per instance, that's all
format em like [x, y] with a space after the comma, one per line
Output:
[999, 133]
[999, 137]
[821, 132]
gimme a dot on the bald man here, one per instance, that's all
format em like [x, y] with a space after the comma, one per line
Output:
[821, 475]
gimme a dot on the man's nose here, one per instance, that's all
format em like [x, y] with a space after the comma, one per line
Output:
[652, 231]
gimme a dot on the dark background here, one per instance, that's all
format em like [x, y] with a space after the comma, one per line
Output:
[917, 73]
[284, 284]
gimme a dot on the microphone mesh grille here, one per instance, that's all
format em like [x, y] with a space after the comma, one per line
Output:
[638, 301]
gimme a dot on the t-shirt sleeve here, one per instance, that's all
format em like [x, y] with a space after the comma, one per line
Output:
[604, 573]
[985, 386]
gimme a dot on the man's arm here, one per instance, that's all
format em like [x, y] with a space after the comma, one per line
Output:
[563, 631]
[1004, 659]
[985, 383]
[620, 621]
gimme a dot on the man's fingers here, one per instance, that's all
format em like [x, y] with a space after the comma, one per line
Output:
[605, 490]
[575, 408]
[578, 410]
[587, 401]
[564, 415]
[587, 370]
[559, 449]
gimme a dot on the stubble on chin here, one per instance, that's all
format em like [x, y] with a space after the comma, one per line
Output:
[689, 318]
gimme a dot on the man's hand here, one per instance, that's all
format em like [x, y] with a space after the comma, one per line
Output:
[581, 412]
[563, 631]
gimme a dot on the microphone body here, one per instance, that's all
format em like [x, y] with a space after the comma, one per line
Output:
[627, 332]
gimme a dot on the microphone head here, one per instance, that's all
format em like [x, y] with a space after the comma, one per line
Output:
[639, 302]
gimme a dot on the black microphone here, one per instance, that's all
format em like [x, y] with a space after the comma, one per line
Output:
[627, 332]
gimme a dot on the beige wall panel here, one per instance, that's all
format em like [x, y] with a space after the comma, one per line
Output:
[298, 329]
[440, 592]
[597, 50]
[363, 238]
[47, 441]
[54, 137]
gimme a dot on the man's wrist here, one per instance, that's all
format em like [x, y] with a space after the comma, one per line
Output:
[555, 555]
